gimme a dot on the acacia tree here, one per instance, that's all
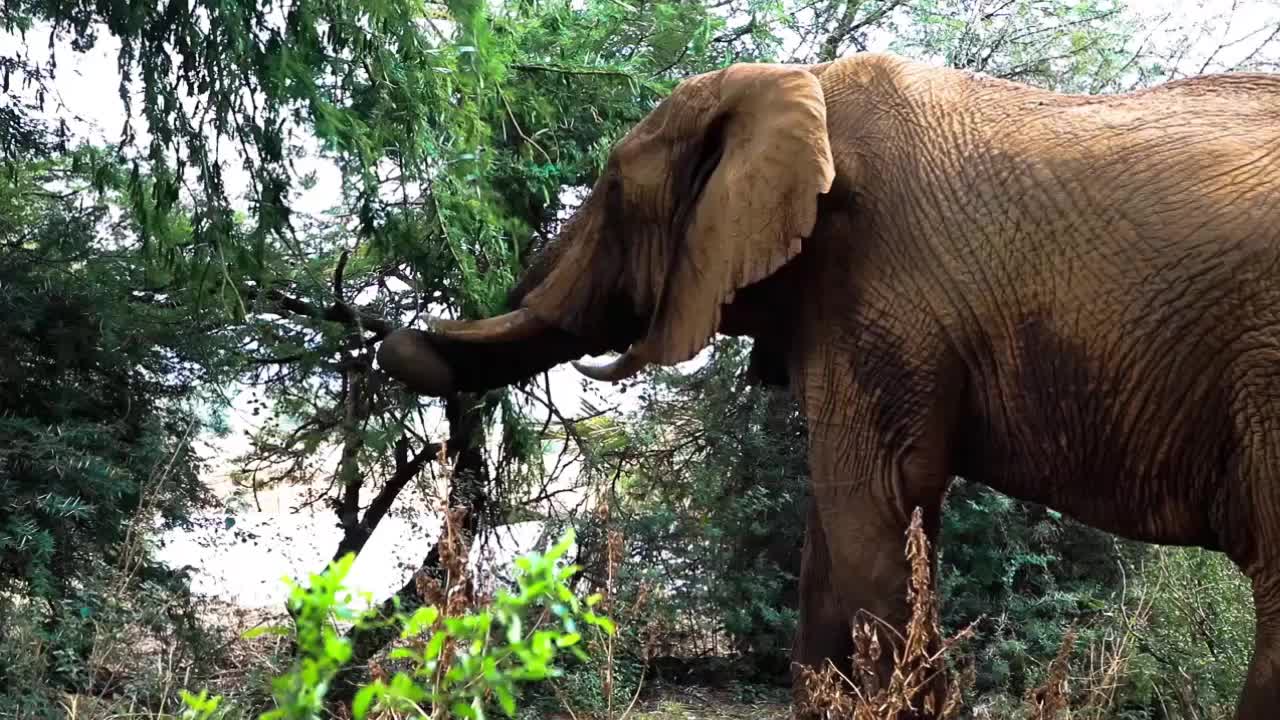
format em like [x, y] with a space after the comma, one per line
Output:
[444, 190]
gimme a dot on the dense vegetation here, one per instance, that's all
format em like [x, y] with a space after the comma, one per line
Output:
[147, 280]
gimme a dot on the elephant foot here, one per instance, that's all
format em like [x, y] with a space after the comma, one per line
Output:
[1260, 697]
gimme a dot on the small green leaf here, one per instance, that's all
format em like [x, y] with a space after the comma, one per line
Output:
[505, 700]
[421, 619]
[600, 621]
[252, 633]
[560, 548]
[363, 700]
[435, 645]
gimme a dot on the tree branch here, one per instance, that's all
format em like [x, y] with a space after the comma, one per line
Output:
[338, 312]
[405, 471]
[572, 71]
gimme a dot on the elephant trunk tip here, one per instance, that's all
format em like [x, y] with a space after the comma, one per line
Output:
[408, 356]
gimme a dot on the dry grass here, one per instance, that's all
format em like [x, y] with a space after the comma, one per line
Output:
[919, 661]
[919, 666]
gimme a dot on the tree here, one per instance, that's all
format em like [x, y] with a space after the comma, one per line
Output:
[450, 245]
[100, 386]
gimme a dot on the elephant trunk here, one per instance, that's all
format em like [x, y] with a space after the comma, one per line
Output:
[475, 359]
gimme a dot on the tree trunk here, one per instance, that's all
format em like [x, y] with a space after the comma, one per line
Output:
[465, 448]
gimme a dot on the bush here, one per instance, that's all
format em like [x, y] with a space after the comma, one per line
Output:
[1025, 575]
[1189, 614]
[455, 655]
[98, 386]
[714, 511]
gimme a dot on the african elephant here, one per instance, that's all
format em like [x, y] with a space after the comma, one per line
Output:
[1072, 299]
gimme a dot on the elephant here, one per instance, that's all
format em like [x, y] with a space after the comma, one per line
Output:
[1072, 299]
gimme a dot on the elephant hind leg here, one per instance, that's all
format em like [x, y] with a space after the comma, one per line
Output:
[1247, 520]
[1260, 697]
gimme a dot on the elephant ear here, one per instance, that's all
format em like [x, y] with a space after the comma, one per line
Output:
[756, 207]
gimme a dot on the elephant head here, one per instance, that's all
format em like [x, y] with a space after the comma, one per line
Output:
[712, 192]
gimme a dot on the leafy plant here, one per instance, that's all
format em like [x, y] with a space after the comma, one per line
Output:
[100, 387]
[460, 663]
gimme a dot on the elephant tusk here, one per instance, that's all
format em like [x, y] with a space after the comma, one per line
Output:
[510, 327]
[620, 368]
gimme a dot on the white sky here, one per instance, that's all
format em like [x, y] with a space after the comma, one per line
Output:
[86, 94]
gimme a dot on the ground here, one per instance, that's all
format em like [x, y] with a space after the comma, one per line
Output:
[695, 703]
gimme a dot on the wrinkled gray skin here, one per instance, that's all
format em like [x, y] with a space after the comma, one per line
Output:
[1073, 300]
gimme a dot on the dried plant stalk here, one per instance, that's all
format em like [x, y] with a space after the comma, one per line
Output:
[919, 662]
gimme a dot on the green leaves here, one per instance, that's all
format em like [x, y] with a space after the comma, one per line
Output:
[1071, 46]
[468, 129]
[201, 706]
[458, 662]
[419, 621]
[718, 489]
[99, 379]
[321, 650]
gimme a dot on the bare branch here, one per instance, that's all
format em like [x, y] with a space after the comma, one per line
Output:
[1275, 32]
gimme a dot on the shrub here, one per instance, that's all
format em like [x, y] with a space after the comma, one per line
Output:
[455, 658]
[99, 386]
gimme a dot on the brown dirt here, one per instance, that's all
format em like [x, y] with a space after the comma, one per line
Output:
[693, 703]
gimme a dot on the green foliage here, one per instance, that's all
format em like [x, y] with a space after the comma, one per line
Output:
[456, 125]
[589, 688]
[1071, 46]
[714, 507]
[498, 648]
[322, 650]
[98, 385]
[505, 108]
[459, 663]
[1190, 614]
[1028, 574]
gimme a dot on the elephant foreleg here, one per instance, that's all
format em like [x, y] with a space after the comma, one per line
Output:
[873, 459]
[823, 633]
[866, 535]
